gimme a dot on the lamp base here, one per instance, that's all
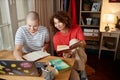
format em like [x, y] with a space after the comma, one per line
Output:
[107, 28]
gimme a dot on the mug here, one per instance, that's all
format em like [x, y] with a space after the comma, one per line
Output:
[48, 75]
[49, 72]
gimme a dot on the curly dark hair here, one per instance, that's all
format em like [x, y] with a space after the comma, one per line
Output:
[62, 17]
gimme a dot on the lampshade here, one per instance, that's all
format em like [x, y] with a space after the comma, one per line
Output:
[109, 18]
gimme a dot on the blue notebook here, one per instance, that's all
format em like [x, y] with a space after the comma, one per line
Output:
[59, 64]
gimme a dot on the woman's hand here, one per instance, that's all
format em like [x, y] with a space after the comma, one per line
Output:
[78, 44]
[73, 46]
[67, 54]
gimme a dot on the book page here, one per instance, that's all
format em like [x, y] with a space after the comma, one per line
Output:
[33, 56]
[62, 47]
[66, 47]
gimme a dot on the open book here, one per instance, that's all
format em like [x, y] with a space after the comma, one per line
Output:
[33, 56]
[67, 47]
[62, 47]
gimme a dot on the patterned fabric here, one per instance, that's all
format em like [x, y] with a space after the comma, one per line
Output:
[74, 75]
[31, 42]
[80, 58]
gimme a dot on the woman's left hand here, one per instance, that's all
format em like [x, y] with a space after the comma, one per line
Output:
[75, 45]
[78, 44]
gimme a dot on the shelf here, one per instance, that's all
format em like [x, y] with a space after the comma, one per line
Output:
[93, 43]
[89, 21]
[104, 48]
[92, 38]
[98, 12]
[95, 26]
[92, 47]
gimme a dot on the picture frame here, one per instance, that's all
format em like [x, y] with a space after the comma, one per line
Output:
[114, 1]
[95, 21]
[96, 6]
[82, 21]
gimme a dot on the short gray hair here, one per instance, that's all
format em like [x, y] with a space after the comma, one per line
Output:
[33, 15]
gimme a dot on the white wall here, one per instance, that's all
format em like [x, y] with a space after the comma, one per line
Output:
[108, 7]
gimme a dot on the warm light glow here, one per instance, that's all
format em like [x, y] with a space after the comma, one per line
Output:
[109, 8]
[109, 19]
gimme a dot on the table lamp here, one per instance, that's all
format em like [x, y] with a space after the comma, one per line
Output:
[109, 20]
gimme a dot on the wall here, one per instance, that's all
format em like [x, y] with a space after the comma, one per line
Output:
[108, 7]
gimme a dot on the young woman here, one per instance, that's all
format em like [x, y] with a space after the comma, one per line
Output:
[67, 34]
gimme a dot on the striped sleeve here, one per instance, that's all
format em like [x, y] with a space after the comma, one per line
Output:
[47, 38]
[19, 36]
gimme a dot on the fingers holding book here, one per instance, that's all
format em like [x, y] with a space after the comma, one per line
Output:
[67, 55]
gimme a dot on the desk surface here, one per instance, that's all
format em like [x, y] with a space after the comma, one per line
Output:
[5, 54]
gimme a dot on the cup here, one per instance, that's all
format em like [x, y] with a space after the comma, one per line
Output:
[48, 75]
[88, 21]
[49, 72]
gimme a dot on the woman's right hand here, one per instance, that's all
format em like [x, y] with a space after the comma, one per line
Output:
[67, 54]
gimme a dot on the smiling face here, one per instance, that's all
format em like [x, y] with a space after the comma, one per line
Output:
[32, 25]
[59, 25]
[60, 21]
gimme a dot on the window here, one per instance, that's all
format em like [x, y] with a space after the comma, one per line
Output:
[22, 9]
[12, 15]
[5, 39]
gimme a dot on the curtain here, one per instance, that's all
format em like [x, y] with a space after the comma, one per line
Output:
[45, 10]
[73, 9]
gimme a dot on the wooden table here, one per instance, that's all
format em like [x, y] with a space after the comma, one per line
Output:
[5, 54]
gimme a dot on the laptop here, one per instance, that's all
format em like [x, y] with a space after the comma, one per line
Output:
[21, 68]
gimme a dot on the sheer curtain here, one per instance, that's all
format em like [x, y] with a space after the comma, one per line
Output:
[12, 15]
[5, 32]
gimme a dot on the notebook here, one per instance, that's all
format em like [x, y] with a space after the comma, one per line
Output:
[59, 64]
[21, 68]
[33, 56]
